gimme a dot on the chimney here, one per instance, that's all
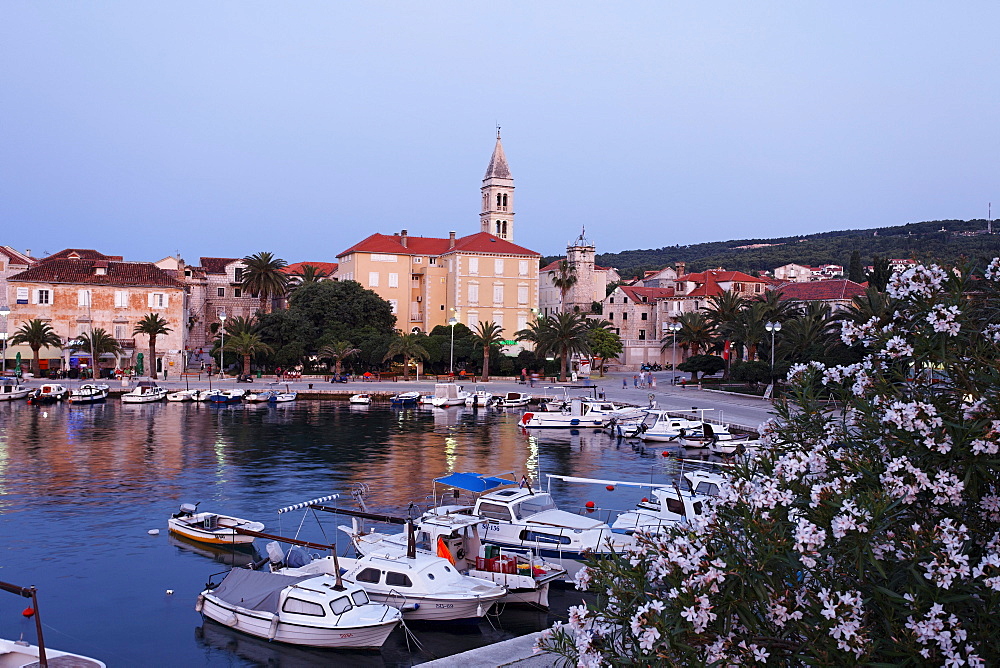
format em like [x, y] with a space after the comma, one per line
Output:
[680, 268]
[402, 238]
[451, 240]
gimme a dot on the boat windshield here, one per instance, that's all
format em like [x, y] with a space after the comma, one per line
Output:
[533, 505]
[360, 597]
[340, 605]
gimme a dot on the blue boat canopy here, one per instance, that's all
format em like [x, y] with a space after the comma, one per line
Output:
[472, 482]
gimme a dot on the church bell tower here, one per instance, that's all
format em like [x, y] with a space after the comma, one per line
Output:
[497, 214]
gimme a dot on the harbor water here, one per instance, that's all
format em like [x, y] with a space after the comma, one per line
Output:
[82, 486]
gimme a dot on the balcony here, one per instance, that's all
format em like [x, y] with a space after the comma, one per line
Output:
[417, 316]
[126, 344]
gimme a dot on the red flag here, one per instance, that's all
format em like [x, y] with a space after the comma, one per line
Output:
[725, 350]
[443, 551]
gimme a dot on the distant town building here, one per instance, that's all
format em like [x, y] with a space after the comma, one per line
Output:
[591, 284]
[838, 293]
[79, 290]
[11, 262]
[476, 278]
[803, 272]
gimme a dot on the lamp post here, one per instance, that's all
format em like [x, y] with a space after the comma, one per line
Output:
[222, 346]
[673, 328]
[4, 311]
[773, 328]
[452, 321]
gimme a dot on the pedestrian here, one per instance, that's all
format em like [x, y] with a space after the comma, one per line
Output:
[635, 381]
[534, 377]
[524, 376]
[624, 383]
[652, 382]
[277, 373]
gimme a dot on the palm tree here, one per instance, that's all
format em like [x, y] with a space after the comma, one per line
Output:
[487, 335]
[96, 343]
[776, 309]
[748, 329]
[410, 347]
[811, 336]
[152, 325]
[263, 276]
[246, 345]
[563, 334]
[338, 352]
[309, 274]
[563, 281]
[723, 310]
[695, 333]
[36, 334]
[872, 304]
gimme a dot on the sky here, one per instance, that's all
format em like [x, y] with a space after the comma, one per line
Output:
[227, 128]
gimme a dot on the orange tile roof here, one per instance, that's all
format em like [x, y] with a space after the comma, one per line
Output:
[833, 289]
[651, 294]
[217, 265]
[480, 242]
[82, 254]
[62, 270]
[329, 267]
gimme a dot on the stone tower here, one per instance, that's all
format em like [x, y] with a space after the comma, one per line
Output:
[580, 256]
[497, 215]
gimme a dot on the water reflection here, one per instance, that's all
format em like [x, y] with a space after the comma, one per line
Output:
[80, 487]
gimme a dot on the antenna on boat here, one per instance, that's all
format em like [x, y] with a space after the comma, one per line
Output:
[411, 541]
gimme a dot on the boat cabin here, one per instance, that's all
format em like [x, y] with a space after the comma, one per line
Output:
[446, 391]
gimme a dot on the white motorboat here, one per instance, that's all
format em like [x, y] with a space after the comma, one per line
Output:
[144, 392]
[261, 397]
[11, 388]
[89, 393]
[206, 395]
[521, 518]
[455, 536]
[426, 400]
[513, 399]
[734, 445]
[579, 415]
[183, 395]
[425, 587]
[448, 394]
[283, 397]
[705, 436]
[405, 399]
[49, 393]
[660, 425]
[21, 654]
[669, 506]
[481, 397]
[210, 527]
[360, 399]
[310, 610]
[234, 396]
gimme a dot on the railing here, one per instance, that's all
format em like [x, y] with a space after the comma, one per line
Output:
[126, 343]
[417, 317]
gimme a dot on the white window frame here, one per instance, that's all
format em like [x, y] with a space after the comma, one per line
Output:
[473, 265]
[123, 330]
[393, 280]
[473, 293]
[121, 298]
[372, 279]
[47, 301]
[522, 295]
[83, 298]
[498, 266]
[522, 269]
[158, 300]
[498, 294]
[394, 304]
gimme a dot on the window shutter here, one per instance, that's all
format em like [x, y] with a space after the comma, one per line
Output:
[498, 267]
[522, 296]
[393, 280]
[166, 300]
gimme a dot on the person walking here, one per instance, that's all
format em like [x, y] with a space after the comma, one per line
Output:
[624, 383]
[652, 382]
[635, 380]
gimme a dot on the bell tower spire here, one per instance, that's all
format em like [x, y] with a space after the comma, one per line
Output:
[497, 214]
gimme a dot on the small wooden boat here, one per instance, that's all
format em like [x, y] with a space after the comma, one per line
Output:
[182, 395]
[49, 393]
[513, 399]
[228, 396]
[210, 527]
[144, 392]
[361, 399]
[283, 397]
[11, 388]
[310, 610]
[89, 394]
[261, 397]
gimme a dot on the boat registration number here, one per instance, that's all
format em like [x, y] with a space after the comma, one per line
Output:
[346, 635]
[444, 605]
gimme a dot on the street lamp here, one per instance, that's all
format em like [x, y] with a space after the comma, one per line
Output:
[774, 328]
[222, 346]
[673, 328]
[4, 311]
[452, 321]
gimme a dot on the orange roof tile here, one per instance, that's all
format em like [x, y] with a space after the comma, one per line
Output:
[481, 242]
[834, 289]
[62, 270]
[329, 267]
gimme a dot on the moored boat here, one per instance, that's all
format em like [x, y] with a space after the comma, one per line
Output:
[210, 527]
[579, 415]
[360, 399]
[234, 396]
[89, 393]
[182, 395]
[49, 393]
[513, 399]
[11, 389]
[448, 394]
[481, 397]
[310, 610]
[144, 392]
[405, 399]
[261, 397]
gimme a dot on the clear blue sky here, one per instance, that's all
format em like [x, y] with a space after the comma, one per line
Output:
[225, 128]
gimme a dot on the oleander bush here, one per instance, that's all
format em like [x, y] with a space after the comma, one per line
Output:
[868, 536]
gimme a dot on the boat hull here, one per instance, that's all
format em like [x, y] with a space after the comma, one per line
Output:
[443, 610]
[259, 624]
[18, 654]
[11, 396]
[223, 535]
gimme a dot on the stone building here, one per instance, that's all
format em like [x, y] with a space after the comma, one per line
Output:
[77, 291]
[591, 280]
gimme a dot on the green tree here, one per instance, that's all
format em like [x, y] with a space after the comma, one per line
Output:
[487, 335]
[338, 352]
[308, 274]
[287, 333]
[723, 310]
[751, 372]
[152, 325]
[880, 274]
[810, 337]
[410, 347]
[748, 329]
[776, 307]
[96, 343]
[338, 310]
[705, 364]
[604, 345]
[246, 345]
[36, 334]
[856, 270]
[695, 333]
[563, 334]
[263, 276]
[563, 281]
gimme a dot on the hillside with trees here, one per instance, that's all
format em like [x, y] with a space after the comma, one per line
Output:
[920, 241]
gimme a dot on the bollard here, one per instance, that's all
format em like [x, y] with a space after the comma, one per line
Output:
[310, 386]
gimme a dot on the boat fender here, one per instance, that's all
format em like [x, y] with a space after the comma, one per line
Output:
[273, 631]
[200, 603]
[479, 610]
[230, 620]
[411, 606]
[526, 418]
[574, 422]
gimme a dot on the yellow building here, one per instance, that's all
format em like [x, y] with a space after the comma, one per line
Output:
[476, 278]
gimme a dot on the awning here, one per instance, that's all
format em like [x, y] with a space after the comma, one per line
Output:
[472, 482]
